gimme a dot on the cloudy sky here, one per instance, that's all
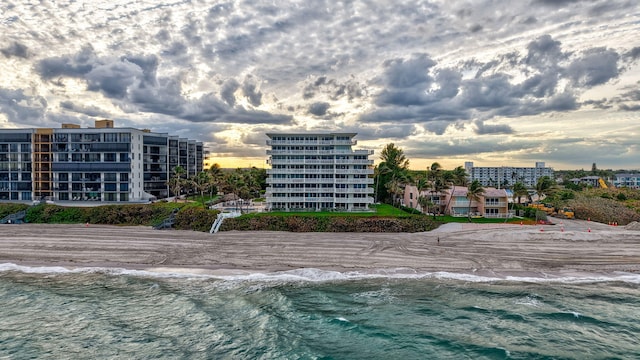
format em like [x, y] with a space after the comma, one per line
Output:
[494, 82]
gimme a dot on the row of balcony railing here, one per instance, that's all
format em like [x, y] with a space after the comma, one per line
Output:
[320, 152]
[368, 190]
[321, 171]
[319, 199]
[311, 142]
[320, 161]
[473, 203]
[319, 181]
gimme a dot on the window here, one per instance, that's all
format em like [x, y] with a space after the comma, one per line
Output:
[124, 187]
[110, 157]
[124, 177]
[110, 137]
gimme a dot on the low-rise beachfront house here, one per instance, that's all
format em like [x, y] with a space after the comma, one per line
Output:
[494, 203]
[434, 202]
[631, 181]
[99, 164]
[318, 172]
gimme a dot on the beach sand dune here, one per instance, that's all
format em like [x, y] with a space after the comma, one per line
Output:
[573, 247]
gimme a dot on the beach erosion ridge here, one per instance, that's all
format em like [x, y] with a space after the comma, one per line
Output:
[569, 249]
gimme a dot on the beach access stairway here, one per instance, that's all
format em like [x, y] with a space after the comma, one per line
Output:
[168, 222]
[15, 218]
[220, 218]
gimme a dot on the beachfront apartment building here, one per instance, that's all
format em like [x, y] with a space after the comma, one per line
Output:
[99, 164]
[506, 176]
[494, 203]
[318, 171]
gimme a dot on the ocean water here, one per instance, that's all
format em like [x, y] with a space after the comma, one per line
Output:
[54, 313]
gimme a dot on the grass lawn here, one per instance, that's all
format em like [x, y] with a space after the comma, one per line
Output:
[379, 210]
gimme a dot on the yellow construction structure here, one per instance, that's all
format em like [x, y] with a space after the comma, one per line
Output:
[602, 183]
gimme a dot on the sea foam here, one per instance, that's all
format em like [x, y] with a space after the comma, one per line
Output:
[319, 275]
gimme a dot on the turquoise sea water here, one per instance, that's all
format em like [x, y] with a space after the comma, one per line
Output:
[53, 313]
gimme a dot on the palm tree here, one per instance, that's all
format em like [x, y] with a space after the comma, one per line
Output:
[424, 202]
[422, 184]
[436, 177]
[201, 182]
[456, 177]
[545, 186]
[176, 181]
[217, 177]
[439, 186]
[394, 188]
[393, 167]
[381, 169]
[474, 193]
[519, 190]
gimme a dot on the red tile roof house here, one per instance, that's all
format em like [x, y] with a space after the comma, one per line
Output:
[494, 203]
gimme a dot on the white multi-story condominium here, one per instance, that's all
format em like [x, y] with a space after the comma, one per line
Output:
[70, 164]
[318, 171]
[506, 176]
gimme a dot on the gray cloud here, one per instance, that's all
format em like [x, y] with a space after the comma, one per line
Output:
[196, 67]
[416, 91]
[16, 49]
[228, 91]
[633, 53]
[319, 108]
[544, 53]
[250, 90]
[20, 108]
[483, 129]
[596, 67]
[92, 111]
[114, 79]
[76, 66]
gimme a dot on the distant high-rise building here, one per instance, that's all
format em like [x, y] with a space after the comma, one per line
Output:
[506, 176]
[102, 163]
[318, 171]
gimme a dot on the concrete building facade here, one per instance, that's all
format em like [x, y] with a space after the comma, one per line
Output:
[101, 164]
[506, 176]
[318, 171]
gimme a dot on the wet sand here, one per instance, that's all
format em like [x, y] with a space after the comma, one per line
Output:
[573, 247]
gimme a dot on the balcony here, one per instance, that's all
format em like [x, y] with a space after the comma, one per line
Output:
[495, 204]
[355, 161]
[368, 190]
[354, 181]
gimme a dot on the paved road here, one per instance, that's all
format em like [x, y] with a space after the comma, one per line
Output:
[579, 225]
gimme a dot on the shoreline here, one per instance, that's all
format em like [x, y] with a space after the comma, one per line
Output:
[576, 249]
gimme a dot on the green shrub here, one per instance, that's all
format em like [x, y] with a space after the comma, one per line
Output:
[309, 223]
[8, 209]
[195, 218]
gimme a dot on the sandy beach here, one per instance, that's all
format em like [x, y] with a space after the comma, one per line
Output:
[572, 247]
